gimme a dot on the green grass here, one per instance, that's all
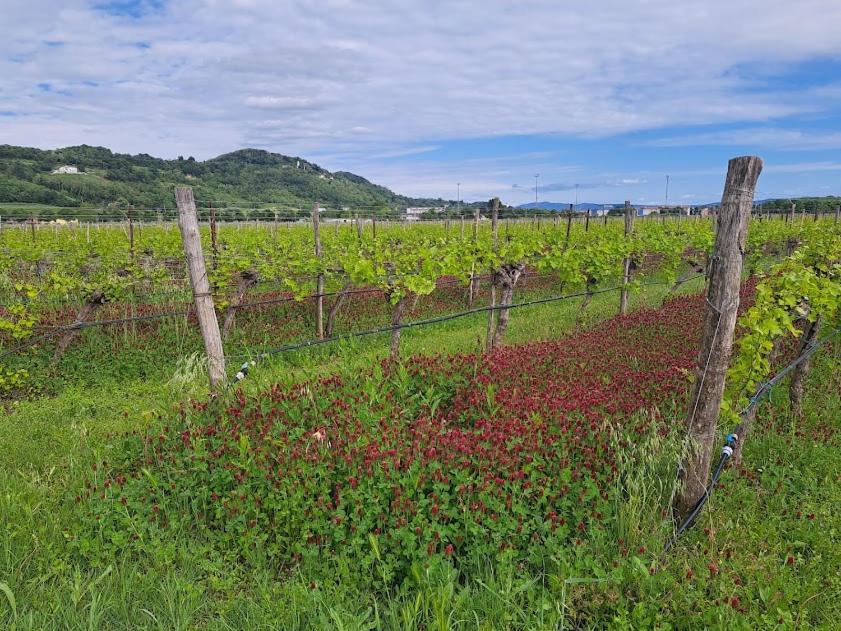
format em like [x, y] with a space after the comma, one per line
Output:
[752, 524]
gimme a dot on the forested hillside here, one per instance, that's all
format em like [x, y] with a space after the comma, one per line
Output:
[26, 175]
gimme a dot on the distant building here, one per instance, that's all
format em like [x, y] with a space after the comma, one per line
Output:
[67, 170]
[414, 213]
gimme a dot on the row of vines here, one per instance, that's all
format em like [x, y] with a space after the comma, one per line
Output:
[86, 268]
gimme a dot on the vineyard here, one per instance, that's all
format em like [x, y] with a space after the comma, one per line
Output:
[423, 425]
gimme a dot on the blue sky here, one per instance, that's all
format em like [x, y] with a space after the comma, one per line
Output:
[605, 99]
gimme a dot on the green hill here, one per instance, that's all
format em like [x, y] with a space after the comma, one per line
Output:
[117, 180]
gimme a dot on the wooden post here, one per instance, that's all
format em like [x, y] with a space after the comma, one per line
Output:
[587, 222]
[214, 242]
[718, 331]
[32, 225]
[791, 212]
[188, 223]
[569, 226]
[358, 227]
[605, 216]
[473, 289]
[837, 213]
[492, 304]
[807, 339]
[626, 262]
[131, 231]
[319, 304]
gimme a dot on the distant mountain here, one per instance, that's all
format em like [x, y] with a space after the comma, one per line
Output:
[107, 178]
[582, 207]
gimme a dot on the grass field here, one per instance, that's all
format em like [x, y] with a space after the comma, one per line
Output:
[765, 555]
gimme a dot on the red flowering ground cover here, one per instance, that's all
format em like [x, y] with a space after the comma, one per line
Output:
[467, 457]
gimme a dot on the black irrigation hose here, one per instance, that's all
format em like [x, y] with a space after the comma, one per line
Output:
[436, 320]
[727, 450]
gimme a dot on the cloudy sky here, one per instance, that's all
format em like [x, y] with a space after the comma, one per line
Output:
[603, 98]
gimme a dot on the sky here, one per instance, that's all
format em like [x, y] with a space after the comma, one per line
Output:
[600, 100]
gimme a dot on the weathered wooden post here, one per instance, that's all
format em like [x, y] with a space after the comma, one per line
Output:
[798, 377]
[569, 226]
[492, 304]
[791, 212]
[319, 301]
[131, 231]
[189, 225]
[473, 289]
[837, 212]
[718, 331]
[214, 243]
[627, 261]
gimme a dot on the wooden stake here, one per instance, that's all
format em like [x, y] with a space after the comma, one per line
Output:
[569, 226]
[494, 240]
[214, 241]
[626, 263]
[188, 223]
[131, 231]
[718, 331]
[319, 304]
[473, 288]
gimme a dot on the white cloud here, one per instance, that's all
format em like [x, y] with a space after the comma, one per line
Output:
[762, 137]
[283, 102]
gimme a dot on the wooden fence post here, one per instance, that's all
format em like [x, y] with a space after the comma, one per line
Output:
[837, 213]
[319, 304]
[718, 331]
[131, 231]
[214, 241]
[569, 226]
[587, 222]
[626, 263]
[473, 289]
[491, 312]
[188, 223]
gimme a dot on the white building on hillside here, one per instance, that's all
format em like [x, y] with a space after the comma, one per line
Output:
[67, 170]
[414, 213]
